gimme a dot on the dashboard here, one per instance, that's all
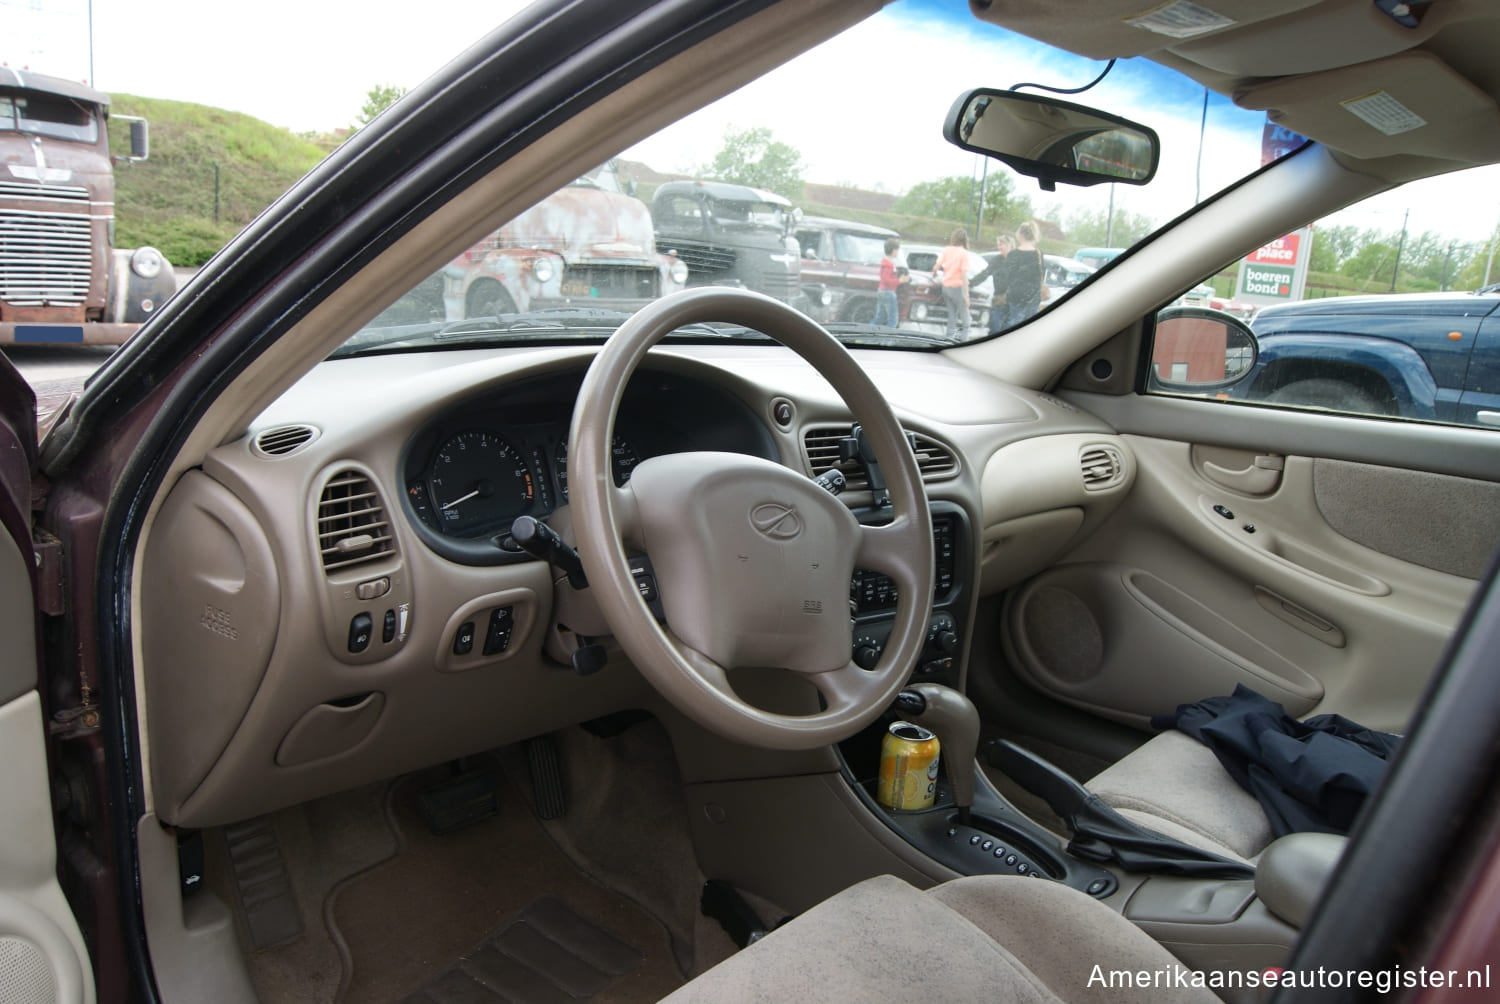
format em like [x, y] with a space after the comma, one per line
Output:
[331, 598]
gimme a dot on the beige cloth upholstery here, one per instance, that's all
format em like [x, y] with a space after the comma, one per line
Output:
[1175, 785]
[986, 938]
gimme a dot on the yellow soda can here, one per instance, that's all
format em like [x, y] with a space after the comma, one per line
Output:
[908, 768]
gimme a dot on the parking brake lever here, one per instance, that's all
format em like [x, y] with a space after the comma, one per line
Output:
[1046, 780]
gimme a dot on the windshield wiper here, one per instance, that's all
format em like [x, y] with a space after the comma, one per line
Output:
[549, 324]
[589, 319]
[856, 333]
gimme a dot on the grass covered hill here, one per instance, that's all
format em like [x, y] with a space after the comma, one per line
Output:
[169, 200]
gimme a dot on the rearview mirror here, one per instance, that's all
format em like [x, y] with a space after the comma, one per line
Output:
[1053, 141]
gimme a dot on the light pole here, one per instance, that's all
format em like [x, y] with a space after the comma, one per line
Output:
[1490, 262]
[1399, 245]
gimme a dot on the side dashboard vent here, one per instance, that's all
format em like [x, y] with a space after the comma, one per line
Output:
[352, 523]
[1103, 467]
[936, 461]
[284, 440]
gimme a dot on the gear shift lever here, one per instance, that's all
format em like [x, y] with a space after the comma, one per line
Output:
[953, 718]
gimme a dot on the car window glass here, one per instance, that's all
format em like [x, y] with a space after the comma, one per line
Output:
[863, 248]
[1389, 308]
[744, 191]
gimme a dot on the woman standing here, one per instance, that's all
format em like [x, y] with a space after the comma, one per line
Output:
[953, 267]
[1024, 293]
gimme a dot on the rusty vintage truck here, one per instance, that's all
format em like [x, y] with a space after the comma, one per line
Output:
[61, 278]
[590, 244]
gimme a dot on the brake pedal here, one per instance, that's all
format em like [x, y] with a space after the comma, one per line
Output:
[460, 801]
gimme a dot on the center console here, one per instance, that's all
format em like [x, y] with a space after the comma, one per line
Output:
[990, 836]
[872, 599]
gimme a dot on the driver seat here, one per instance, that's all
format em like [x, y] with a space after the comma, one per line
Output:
[982, 938]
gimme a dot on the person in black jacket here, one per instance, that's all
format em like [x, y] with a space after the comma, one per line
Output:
[997, 267]
[1023, 293]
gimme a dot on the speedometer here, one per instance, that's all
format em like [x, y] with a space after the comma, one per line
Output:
[622, 461]
[479, 482]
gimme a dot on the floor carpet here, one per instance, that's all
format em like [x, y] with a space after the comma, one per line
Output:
[475, 893]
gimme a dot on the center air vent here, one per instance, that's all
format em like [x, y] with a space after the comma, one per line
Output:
[936, 461]
[284, 440]
[1103, 467]
[352, 523]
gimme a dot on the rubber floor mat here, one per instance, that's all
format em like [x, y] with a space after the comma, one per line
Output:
[546, 954]
[543, 929]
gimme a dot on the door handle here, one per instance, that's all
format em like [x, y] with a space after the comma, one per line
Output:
[1487, 417]
[1260, 478]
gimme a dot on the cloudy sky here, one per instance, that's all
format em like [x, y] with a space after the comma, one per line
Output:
[308, 66]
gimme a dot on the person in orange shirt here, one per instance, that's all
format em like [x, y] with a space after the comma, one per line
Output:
[952, 268]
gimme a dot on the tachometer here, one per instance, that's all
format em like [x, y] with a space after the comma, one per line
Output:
[622, 461]
[479, 482]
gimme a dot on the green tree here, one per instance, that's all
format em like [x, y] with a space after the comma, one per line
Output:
[1093, 228]
[955, 198]
[378, 99]
[1373, 265]
[1332, 246]
[752, 157]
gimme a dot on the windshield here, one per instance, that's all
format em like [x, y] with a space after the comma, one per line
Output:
[758, 214]
[862, 248]
[698, 202]
[48, 115]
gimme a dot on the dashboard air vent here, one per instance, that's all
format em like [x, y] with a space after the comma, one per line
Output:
[1103, 467]
[936, 461]
[352, 524]
[284, 440]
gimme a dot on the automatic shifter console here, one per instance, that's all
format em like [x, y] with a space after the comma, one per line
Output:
[972, 828]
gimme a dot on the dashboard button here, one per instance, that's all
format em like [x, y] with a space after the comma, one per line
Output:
[388, 628]
[497, 634]
[463, 642]
[359, 632]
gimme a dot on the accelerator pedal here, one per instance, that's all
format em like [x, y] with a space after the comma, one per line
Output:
[546, 778]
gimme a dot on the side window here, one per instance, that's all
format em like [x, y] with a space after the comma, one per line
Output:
[1345, 315]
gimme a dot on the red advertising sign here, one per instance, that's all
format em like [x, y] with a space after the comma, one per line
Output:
[1282, 251]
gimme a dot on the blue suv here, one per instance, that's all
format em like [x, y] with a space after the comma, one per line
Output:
[1432, 356]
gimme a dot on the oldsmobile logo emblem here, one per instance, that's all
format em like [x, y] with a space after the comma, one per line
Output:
[777, 521]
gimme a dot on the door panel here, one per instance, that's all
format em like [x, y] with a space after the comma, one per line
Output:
[42, 954]
[1334, 590]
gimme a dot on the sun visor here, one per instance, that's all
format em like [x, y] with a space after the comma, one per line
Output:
[1329, 35]
[1106, 29]
[1412, 103]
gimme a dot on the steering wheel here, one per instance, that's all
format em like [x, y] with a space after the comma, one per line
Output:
[752, 560]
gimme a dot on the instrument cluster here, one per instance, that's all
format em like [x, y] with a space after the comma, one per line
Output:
[472, 471]
[481, 478]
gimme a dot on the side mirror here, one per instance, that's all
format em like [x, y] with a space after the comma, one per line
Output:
[1053, 141]
[140, 139]
[1198, 350]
